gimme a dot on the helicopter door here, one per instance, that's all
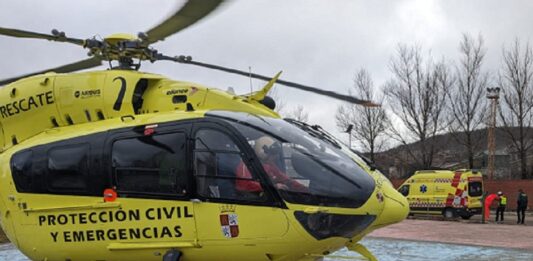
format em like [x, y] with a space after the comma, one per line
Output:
[150, 173]
[222, 211]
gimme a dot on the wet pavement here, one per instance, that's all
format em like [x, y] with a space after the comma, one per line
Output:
[463, 233]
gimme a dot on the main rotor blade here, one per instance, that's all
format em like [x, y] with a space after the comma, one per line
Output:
[80, 65]
[302, 87]
[189, 14]
[28, 34]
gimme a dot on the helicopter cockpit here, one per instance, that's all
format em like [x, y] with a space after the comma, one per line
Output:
[315, 171]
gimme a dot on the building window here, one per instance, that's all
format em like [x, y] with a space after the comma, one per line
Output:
[151, 164]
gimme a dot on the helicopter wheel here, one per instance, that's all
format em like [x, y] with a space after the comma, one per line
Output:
[172, 255]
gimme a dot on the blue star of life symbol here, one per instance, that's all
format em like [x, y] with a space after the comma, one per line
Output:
[423, 188]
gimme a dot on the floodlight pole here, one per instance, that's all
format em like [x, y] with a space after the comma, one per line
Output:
[493, 94]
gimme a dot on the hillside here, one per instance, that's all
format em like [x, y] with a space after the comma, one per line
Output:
[402, 161]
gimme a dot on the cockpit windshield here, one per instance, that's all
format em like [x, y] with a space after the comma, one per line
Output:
[304, 165]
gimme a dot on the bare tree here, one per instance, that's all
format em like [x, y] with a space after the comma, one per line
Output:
[298, 113]
[369, 123]
[516, 82]
[280, 103]
[417, 97]
[467, 97]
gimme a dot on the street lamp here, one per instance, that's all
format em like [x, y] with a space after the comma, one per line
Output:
[349, 131]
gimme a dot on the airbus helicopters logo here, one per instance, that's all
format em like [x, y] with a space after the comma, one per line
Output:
[87, 93]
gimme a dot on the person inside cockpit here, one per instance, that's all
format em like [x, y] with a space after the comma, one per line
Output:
[269, 152]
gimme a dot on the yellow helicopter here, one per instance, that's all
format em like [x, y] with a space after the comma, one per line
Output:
[127, 165]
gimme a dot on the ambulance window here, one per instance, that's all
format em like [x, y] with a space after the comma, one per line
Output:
[151, 165]
[68, 167]
[475, 189]
[404, 190]
[21, 165]
[220, 171]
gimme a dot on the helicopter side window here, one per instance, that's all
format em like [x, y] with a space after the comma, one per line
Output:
[68, 168]
[21, 169]
[151, 165]
[216, 160]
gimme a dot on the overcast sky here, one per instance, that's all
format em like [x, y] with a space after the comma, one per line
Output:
[317, 43]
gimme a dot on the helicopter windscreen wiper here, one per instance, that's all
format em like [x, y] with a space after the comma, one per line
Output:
[319, 132]
[315, 131]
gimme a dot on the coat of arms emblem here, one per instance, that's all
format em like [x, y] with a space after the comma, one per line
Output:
[229, 222]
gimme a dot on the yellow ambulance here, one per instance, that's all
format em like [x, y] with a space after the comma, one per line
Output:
[446, 192]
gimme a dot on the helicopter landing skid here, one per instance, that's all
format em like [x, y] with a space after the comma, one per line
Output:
[362, 250]
[172, 255]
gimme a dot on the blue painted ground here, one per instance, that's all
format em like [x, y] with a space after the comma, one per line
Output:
[9, 252]
[386, 250]
[399, 250]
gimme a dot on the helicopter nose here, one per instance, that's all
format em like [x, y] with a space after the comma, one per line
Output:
[396, 207]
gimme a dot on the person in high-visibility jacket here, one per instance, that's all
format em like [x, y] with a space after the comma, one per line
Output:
[502, 203]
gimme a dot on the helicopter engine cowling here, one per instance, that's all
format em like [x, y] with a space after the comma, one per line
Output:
[55, 100]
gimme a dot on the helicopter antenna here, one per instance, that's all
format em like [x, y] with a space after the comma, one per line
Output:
[251, 86]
